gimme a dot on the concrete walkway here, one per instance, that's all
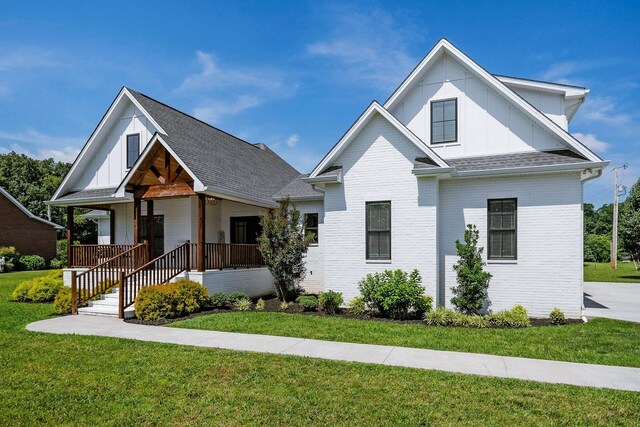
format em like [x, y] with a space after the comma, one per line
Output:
[612, 300]
[547, 371]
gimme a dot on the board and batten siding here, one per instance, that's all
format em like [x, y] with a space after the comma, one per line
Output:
[548, 271]
[487, 122]
[377, 166]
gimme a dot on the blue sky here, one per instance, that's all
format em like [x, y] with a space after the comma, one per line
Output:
[296, 75]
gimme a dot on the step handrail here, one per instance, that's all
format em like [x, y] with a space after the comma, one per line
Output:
[96, 280]
[156, 272]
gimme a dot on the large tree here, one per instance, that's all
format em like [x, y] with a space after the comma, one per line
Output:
[283, 245]
[630, 224]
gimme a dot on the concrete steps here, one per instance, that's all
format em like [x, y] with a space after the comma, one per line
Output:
[107, 305]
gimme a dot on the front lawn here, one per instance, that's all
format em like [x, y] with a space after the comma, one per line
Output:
[601, 341]
[93, 381]
[602, 272]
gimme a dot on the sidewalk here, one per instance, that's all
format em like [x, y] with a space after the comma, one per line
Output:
[579, 374]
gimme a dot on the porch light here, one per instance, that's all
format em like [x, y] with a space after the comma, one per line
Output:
[212, 201]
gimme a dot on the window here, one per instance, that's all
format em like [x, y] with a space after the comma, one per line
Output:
[133, 149]
[378, 230]
[311, 226]
[444, 121]
[502, 228]
[245, 229]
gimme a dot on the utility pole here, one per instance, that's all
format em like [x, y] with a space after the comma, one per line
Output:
[614, 240]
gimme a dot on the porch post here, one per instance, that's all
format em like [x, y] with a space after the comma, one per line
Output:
[150, 228]
[70, 260]
[201, 231]
[112, 226]
[137, 210]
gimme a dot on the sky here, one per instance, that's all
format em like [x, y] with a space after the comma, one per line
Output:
[296, 75]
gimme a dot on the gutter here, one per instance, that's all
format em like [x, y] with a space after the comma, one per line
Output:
[433, 171]
[533, 169]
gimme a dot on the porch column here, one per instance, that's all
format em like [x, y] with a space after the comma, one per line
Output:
[150, 228]
[201, 231]
[70, 260]
[112, 226]
[137, 210]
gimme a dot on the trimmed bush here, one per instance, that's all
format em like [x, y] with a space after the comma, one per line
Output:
[33, 262]
[171, 300]
[259, 305]
[242, 304]
[357, 306]
[39, 289]
[394, 293]
[62, 301]
[236, 296]
[192, 296]
[330, 301]
[307, 302]
[218, 300]
[557, 317]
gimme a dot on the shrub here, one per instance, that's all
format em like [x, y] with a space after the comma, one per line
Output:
[307, 302]
[473, 281]
[284, 305]
[259, 305]
[330, 301]
[192, 296]
[156, 302]
[444, 317]
[218, 300]
[236, 296]
[39, 289]
[557, 316]
[422, 305]
[20, 292]
[357, 306]
[438, 317]
[62, 301]
[517, 317]
[242, 304]
[33, 262]
[393, 294]
[11, 257]
[57, 263]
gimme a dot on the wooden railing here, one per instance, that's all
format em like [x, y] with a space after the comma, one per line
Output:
[92, 255]
[227, 255]
[95, 281]
[155, 272]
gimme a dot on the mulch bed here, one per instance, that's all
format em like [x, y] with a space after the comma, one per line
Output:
[272, 304]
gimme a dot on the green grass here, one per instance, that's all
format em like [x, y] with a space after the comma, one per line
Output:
[601, 341]
[93, 381]
[602, 272]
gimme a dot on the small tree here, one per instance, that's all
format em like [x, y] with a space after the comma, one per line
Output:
[630, 224]
[283, 245]
[472, 280]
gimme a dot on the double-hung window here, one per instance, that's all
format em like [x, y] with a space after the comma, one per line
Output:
[444, 121]
[133, 149]
[378, 229]
[502, 225]
[311, 226]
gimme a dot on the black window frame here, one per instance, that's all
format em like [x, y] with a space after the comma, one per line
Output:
[514, 230]
[312, 229]
[368, 232]
[436, 101]
[129, 162]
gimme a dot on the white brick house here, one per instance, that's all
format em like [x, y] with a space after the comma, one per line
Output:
[453, 145]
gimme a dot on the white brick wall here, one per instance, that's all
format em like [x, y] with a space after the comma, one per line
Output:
[314, 280]
[377, 166]
[256, 282]
[548, 272]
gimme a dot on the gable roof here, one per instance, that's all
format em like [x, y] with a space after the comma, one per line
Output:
[445, 46]
[359, 124]
[26, 211]
[298, 190]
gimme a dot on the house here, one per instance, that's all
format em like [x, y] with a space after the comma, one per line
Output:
[453, 145]
[28, 233]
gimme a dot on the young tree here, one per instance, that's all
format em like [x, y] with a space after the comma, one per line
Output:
[473, 281]
[630, 224]
[283, 245]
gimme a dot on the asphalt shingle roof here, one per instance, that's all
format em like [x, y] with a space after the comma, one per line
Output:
[298, 189]
[87, 194]
[514, 160]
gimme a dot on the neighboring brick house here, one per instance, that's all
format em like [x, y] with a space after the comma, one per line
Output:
[30, 234]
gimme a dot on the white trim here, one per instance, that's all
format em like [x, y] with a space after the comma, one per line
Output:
[445, 45]
[364, 118]
[123, 92]
[533, 169]
[566, 90]
[26, 211]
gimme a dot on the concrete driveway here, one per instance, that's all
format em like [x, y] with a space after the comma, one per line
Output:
[612, 300]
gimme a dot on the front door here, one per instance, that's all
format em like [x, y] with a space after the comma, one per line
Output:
[245, 229]
[158, 233]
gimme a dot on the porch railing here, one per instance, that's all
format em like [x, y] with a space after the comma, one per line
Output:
[92, 255]
[218, 256]
[95, 281]
[155, 272]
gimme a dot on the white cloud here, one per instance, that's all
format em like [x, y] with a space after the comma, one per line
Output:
[293, 140]
[29, 58]
[34, 137]
[215, 110]
[592, 142]
[65, 154]
[604, 110]
[62, 149]
[370, 47]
